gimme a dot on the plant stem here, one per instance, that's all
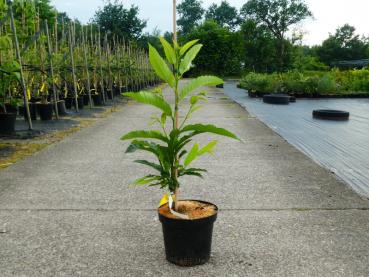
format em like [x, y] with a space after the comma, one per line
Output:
[176, 116]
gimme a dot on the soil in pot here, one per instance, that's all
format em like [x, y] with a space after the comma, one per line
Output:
[188, 242]
[45, 111]
[7, 123]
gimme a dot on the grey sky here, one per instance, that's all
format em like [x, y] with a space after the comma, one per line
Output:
[328, 14]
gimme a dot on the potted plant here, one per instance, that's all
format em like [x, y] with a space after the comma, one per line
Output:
[44, 108]
[8, 106]
[187, 224]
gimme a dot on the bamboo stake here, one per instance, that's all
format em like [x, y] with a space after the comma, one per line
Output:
[176, 192]
[56, 31]
[107, 47]
[73, 67]
[51, 69]
[101, 69]
[23, 83]
[86, 68]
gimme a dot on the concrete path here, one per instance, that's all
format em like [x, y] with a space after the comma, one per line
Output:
[68, 210]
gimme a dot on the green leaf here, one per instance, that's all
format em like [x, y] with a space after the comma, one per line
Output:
[160, 66]
[163, 119]
[146, 180]
[197, 83]
[191, 155]
[208, 148]
[151, 99]
[145, 134]
[201, 128]
[187, 46]
[150, 164]
[168, 50]
[188, 58]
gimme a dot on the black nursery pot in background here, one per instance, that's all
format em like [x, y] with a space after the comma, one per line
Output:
[45, 111]
[188, 242]
[70, 102]
[97, 99]
[32, 111]
[62, 110]
[7, 123]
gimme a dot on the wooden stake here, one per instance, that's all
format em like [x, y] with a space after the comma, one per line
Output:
[17, 51]
[176, 192]
[86, 68]
[51, 69]
[73, 67]
[101, 69]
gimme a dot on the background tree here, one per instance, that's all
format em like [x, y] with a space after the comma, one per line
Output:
[278, 16]
[190, 15]
[224, 14]
[260, 47]
[222, 51]
[343, 45]
[115, 19]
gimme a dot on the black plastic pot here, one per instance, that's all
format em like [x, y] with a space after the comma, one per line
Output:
[331, 114]
[292, 99]
[70, 103]
[62, 110]
[7, 122]
[188, 242]
[252, 94]
[97, 99]
[279, 99]
[86, 99]
[45, 111]
[32, 111]
[11, 109]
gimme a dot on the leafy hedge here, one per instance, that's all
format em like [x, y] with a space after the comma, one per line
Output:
[309, 83]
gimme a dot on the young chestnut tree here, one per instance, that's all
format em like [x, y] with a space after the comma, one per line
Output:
[170, 145]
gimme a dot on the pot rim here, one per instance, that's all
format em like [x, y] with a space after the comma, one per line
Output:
[199, 220]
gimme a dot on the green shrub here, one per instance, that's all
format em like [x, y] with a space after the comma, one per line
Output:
[261, 82]
[311, 83]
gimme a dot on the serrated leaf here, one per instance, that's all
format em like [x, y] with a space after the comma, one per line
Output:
[197, 83]
[160, 66]
[187, 46]
[152, 99]
[188, 58]
[168, 50]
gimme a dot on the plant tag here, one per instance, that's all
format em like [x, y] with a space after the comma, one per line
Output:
[183, 216]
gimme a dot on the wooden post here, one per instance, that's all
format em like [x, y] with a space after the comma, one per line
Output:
[101, 69]
[51, 69]
[86, 68]
[56, 32]
[19, 58]
[176, 192]
[175, 21]
[107, 49]
[73, 67]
